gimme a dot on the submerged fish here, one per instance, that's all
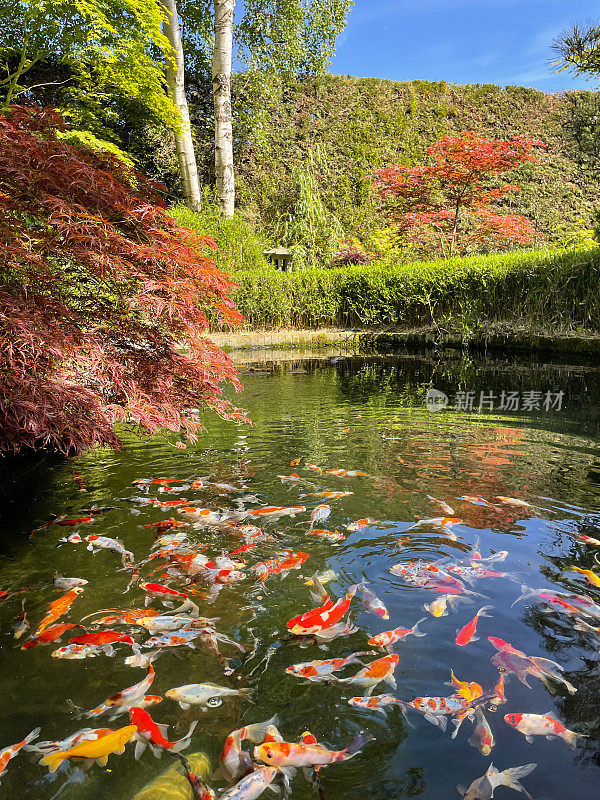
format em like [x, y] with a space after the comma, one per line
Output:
[205, 695]
[21, 623]
[320, 670]
[380, 670]
[512, 660]
[590, 576]
[324, 577]
[66, 584]
[482, 738]
[531, 725]
[57, 608]
[325, 616]
[252, 785]
[106, 543]
[372, 603]
[483, 788]
[439, 606]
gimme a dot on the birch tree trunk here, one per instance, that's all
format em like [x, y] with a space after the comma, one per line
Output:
[175, 75]
[221, 81]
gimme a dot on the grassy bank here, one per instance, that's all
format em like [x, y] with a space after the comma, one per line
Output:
[541, 288]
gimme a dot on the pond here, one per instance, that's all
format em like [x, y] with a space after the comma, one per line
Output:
[357, 413]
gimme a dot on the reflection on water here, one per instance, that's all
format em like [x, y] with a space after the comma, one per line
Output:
[364, 414]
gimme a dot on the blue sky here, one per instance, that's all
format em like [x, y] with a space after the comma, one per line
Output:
[461, 41]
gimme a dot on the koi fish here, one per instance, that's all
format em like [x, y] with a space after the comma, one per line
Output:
[130, 616]
[436, 709]
[378, 702]
[177, 639]
[585, 539]
[482, 738]
[74, 538]
[153, 735]
[170, 522]
[66, 584]
[275, 512]
[324, 616]
[372, 603]
[69, 523]
[330, 536]
[531, 725]
[319, 514]
[467, 690]
[77, 651]
[50, 634]
[442, 505]
[12, 750]
[21, 623]
[513, 501]
[57, 608]
[204, 516]
[380, 670]
[252, 785]
[320, 670]
[512, 660]
[293, 478]
[96, 751]
[346, 473]
[467, 634]
[590, 576]
[439, 606]
[126, 697]
[106, 543]
[160, 592]
[330, 495]
[164, 622]
[555, 601]
[475, 500]
[205, 695]
[235, 762]
[324, 577]
[105, 640]
[436, 522]
[85, 734]
[314, 467]
[388, 638]
[288, 754]
[361, 523]
[499, 696]
[483, 788]
[295, 462]
[79, 481]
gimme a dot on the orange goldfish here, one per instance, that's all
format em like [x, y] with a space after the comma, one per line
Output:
[467, 634]
[57, 608]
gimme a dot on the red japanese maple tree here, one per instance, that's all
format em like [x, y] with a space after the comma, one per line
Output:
[450, 206]
[104, 299]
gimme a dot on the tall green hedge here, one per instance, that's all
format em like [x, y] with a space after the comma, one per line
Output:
[538, 287]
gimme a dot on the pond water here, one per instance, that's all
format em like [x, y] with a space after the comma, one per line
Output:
[357, 413]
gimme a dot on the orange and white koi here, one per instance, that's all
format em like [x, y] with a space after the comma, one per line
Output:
[12, 750]
[77, 651]
[321, 670]
[513, 501]
[201, 516]
[436, 709]
[442, 505]
[476, 500]
[295, 461]
[531, 725]
[361, 523]
[275, 512]
[288, 754]
[314, 468]
[585, 539]
[378, 702]
[467, 633]
[443, 523]
[293, 478]
[235, 762]
[388, 638]
[165, 524]
[330, 495]
[346, 473]
[330, 536]
[48, 635]
[378, 671]
[57, 608]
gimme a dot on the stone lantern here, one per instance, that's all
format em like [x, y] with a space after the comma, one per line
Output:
[281, 258]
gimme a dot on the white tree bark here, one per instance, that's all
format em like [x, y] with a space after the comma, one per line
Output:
[175, 75]
[221, 81]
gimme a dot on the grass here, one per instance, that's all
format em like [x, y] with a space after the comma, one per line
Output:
[557, 289]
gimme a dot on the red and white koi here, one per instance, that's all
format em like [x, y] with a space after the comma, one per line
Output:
[235, 762]
[288, 754]
[442, 505]
[378, 671]
[106, 543]
[275, 512]
[330, 536]
[104, 640]
[361, 523]
[531, 725]
[127, 697]
[325, 616]
[372, 603]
